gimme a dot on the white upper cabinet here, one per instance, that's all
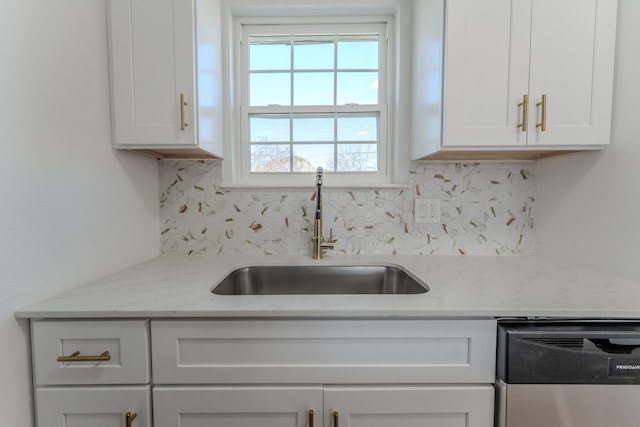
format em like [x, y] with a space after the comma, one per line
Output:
[487, 71]
[521, 78]
[572, 57]
[165, 69]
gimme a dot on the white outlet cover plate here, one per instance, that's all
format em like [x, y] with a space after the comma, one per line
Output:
[426, 211]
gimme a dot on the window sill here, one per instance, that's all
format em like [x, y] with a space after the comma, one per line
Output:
[311, 186]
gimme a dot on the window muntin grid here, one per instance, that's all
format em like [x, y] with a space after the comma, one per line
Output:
[315, 99]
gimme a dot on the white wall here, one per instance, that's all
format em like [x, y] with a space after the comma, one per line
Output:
[588, 205]
[71, 209]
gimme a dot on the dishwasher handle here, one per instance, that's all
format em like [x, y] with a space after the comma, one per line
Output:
[616, 346]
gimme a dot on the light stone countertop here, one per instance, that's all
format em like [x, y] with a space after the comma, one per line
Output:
[460, 286]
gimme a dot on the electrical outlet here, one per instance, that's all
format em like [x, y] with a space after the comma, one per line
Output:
[426, 211]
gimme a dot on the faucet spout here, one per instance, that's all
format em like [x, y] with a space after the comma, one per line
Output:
[319, 244]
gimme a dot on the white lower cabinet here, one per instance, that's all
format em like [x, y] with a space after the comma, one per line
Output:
[91, 373]
[370, 406]
[264, 373]
[93, 407]
[330, 373]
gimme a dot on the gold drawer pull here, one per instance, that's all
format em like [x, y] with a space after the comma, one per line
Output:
[311, 418]
[543, 120]
[75, 357]
[183, 103]
[129, 417]
[525, 109]
[335, 418]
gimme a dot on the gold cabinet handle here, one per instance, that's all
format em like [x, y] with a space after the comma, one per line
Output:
[543, 114]
[311, 418]
[129, 417]
[525, 110]
[183, 124]
[335, 418]
[75, 357]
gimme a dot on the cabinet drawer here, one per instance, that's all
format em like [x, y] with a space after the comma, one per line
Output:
[323, 351]
[127, 344]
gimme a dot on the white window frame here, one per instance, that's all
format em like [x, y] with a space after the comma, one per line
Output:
[393, 151]
[380, 107]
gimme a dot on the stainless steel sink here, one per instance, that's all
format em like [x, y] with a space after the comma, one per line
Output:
[320, 279]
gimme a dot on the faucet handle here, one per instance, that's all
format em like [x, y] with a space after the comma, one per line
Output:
[328, 244]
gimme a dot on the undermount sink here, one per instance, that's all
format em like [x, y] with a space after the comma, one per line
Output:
[319, 280]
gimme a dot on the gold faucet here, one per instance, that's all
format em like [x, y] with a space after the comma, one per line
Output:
[319, 244]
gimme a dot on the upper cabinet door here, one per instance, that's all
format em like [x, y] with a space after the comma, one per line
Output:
[152, 65]
[487, 71]
[572, 58]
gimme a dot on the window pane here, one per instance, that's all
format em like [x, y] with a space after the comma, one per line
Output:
[307, 158]
[357, 157]
[313, 128]
[269, 128]
[358, 55]
[313, 89]
[313, 55]
[270, 158]
[357, 88]
[358, 128]
[274, 55]
[270, 89]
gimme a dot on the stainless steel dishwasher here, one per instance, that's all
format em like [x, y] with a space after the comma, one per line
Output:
[568, 374]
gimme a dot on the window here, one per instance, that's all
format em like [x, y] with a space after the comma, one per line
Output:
[311, 85]
[314, 96]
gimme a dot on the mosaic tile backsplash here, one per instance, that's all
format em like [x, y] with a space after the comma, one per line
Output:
[487, 209]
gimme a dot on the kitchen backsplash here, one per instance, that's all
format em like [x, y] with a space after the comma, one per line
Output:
[487, 209]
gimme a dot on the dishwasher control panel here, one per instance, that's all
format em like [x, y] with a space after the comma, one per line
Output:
[569, 352]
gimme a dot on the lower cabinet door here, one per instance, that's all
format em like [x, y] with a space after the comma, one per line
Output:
[237, 406]
[384, 406]
[93, 407]
[432, 406]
